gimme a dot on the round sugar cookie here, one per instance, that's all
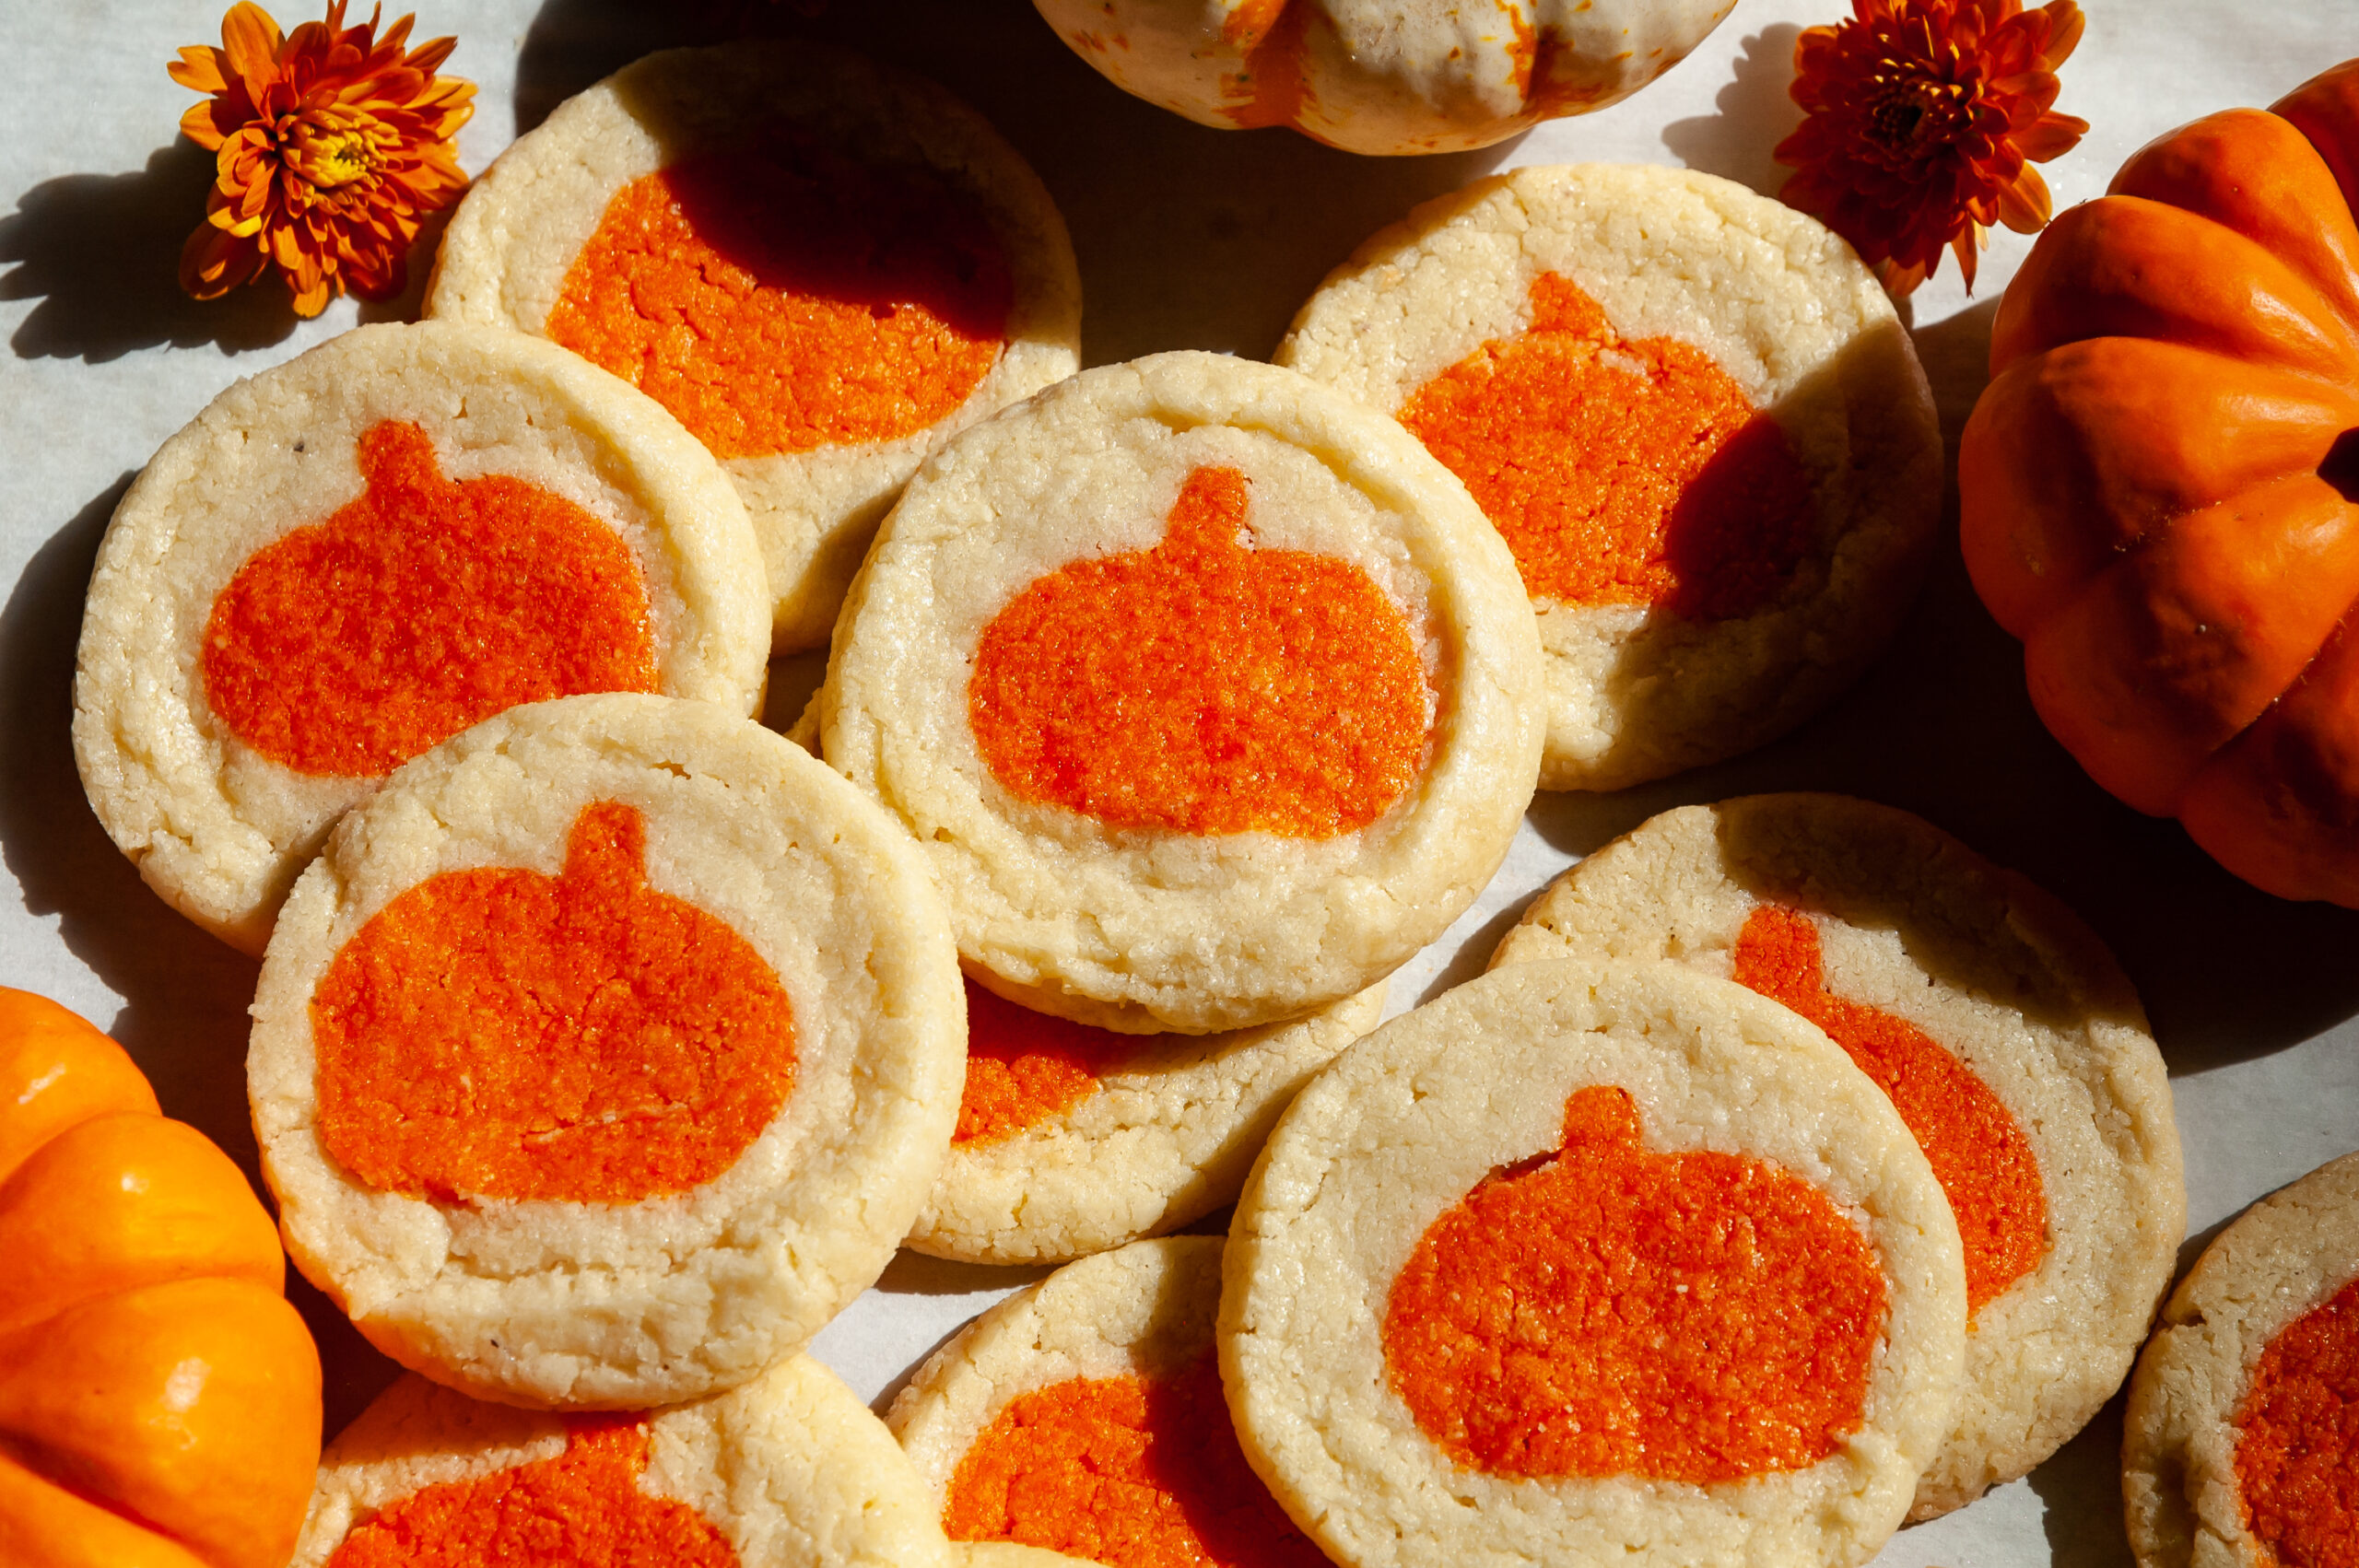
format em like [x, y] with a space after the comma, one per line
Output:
[1072, 1139]
[1085, 1415]
[2239, 1450]
[1588, 1263]
[789, 1470]
[2010, 1041]
[1693, 416]
[605, 1055]
[358, 554]
[820, 265]
[1209, 695]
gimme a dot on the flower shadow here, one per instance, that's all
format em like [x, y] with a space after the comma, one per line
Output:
[1757, 112]
[101, 252]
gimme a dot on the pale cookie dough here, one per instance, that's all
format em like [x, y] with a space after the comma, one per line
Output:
[215, 826]
[509, 249]
[1144, 1311]
[1403, 1126]
[1164, 1139]
[621, 1304]
[1140, 928]
[1010, 1554]
[1635, 692]
[2283, 1258]
[2013, 985]
[789, 1470]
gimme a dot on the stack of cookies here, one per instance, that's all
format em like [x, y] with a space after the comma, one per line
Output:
[1794, 1172]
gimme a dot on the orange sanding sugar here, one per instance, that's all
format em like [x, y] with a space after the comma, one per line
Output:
[501, 1033]
[1619, 471]
[348, 647]
[1024, 1067]
[1203, 685]
[581, 1509]
[1127, 1471]
[781, 297]
[1979, 1155]
[1609, 1310]
[2297, 1451]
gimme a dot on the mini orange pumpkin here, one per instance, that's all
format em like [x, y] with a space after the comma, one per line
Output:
[2160, 486]
[159, 1400]
[1383, 75]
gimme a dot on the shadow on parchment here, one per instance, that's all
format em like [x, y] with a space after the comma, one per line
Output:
[1757, 112]
[101, 252]
[2080, 1490]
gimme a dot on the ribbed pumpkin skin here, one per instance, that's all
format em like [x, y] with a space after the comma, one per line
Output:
[159, 1400]
[2160, 486]
[1383, 77]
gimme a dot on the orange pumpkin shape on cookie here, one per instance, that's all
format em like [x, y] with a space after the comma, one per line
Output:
[1204, 687]
[420, 608]
[499, 1033]
[780, 297]
[584, 1507]
[1024, 1067]
[1619, 471]
[1132, 1472]
[1979, 1154]
[1610, 1310]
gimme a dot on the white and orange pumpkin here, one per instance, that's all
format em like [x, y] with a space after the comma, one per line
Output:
[1383, 75]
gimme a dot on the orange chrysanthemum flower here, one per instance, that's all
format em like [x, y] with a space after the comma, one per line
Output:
[1924, 120]
[331, 144]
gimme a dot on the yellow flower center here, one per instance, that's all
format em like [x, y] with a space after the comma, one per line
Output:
[328, 151]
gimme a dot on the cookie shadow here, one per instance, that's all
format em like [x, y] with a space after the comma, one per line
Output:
[1473, 954]
[101, 252]
[572, 43]
[2079, 1487]
[1757, 112]
[183, 1017]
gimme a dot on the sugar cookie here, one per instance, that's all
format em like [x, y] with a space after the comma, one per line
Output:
[1695, 417]
[822, 266]
[787, 1471]
[1072, 1140]
[1086, 1415]
[1209, 695]
[2009, 1040]
[1592, 1262]
[606, 1054]
[2238, 1448]
[361, 552]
